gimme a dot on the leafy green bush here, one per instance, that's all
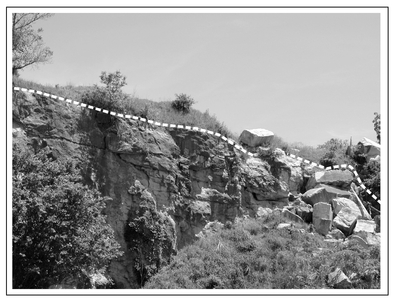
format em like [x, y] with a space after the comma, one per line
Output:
[182, 103]
[59, 230]
[109, 97]
[335, 153]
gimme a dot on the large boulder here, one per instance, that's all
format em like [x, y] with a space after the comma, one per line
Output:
[303, 210]
[337, 178]
[322, 218]
[290, 170]
[355, 198]
[334, 190]
[338, 280]
[339, 203]
[256, 137]
[367, 226]
[345, 220]
[317, 195]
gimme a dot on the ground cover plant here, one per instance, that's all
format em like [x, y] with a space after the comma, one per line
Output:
[254, 254]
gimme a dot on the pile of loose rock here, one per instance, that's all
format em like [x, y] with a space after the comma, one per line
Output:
[331, 204]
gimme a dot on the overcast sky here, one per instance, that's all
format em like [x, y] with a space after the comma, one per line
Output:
[306, 77]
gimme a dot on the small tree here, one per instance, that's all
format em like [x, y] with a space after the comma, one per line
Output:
[183, 103]
[377, 126]
[113, 83]
[58, 228]
[27, 44]
[109, 97]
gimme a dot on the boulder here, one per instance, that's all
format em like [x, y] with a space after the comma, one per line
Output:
[305, 212]
[363, 225]
[338, 280]
[345, 221]
[337, 178]
[263, 212]
[333, 190]
[339, 203]
[283, 225]
[294, 177]
[355, 198]
[322, 218]
[292, 216]
[358, 239]
[377, 220]
[256, 137]
[318, 195]
[373, 239]
[336, 234]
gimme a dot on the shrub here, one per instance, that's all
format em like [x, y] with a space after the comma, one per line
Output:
[182, 103]
[109, 97]
[58, 226]
[335, 152]
[277, 259]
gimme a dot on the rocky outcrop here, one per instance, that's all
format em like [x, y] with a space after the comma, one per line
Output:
[256, 137]
[184, 179]
[337, 178]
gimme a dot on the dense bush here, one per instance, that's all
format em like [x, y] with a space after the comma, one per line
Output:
[253, 254]
[335, 152]
[59, 230]
[182, 103]
[109, 97]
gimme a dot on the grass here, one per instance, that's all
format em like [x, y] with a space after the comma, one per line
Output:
[252, 254]
[130, 104]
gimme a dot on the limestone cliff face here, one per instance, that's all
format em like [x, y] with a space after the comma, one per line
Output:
[192, 178]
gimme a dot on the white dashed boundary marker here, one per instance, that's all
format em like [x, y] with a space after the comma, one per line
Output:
[202, 130]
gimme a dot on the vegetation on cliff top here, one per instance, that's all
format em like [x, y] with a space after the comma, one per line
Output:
[254, 254]
[178, 111]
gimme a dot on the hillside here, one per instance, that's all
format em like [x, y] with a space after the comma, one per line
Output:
[163, 185]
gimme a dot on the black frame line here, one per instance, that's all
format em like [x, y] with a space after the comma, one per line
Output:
[205, 7]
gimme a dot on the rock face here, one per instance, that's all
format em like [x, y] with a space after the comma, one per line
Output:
[183, 179]
[337, 178]
[256, 137]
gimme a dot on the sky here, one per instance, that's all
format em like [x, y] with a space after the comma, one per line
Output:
[307, 77]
